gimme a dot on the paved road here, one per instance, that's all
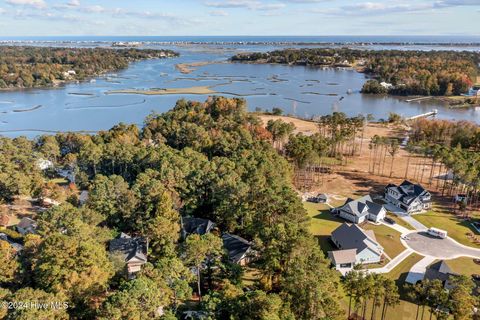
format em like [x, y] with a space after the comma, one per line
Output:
[417, 272]
[427, 245]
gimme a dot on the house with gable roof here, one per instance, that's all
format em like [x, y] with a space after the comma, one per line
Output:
[408, 196]
[356, 246]
[361, 210]
[133, 251]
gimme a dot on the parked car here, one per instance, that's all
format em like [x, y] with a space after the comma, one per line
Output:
[389, 220]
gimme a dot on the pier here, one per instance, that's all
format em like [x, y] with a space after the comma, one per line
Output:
[432, 113]
[418, 99]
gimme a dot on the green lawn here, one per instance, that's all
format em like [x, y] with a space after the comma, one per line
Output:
[322, 223]
[60, 181]
[456, 228]
[388, 238]
[399, 221]
[464, 266]
[399, 273]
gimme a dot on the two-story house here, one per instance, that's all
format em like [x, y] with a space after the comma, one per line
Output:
[408, 196]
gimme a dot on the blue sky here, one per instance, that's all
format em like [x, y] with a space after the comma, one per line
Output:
[239, 17]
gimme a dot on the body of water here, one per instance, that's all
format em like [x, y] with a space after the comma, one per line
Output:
[302, 91]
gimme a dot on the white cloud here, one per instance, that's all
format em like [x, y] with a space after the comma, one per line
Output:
[219, 13]
[246, 4]
[74, 3]
[456, 3]
[40, 4]
[94, 9]
[2, 11]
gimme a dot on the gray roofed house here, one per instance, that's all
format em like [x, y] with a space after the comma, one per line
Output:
[132, 250]
[26, 226]
[239, 250]
[360, 210]
[352, 237]
[192, 225]
[440, 271]
[408, 196]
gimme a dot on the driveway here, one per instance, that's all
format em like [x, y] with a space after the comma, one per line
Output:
[427, 245]
[413, 222]
[417, 272]
[404, 216]
[396, 227]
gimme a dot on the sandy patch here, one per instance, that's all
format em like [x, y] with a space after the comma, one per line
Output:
[354, 178]
[187, 68]
[160, 92]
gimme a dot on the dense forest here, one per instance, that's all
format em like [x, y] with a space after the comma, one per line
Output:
[210, 160]
[216, 161]
[28, 67]
[437, 73]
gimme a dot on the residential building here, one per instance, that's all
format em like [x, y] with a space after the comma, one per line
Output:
[192, 225]
[350, 237]
[361, 210]
[132, 250]
[26, 226]
[239, 250]
[343, 260]
[409, 197]
[440, 270]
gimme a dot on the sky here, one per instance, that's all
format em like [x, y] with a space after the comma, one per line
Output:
[238, 17]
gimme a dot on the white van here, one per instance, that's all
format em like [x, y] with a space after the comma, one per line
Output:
[442, 234]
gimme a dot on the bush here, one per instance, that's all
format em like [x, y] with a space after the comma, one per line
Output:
[12, 234]
[373, 87]
[277, 111]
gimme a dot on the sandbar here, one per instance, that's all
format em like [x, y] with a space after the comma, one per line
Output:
[160, 92]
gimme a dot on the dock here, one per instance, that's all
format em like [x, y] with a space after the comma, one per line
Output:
[432, 113]
[418, 99]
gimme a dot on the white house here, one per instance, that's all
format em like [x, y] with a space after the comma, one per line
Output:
[343, 260]
[408, 196]
[360, 210]
[350, 237]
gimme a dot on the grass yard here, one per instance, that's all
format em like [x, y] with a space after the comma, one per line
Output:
[456, 228]
[399, 273]
[400, 221]
[59, 181]
[322, 223]
[388, 238]
[464, 266]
